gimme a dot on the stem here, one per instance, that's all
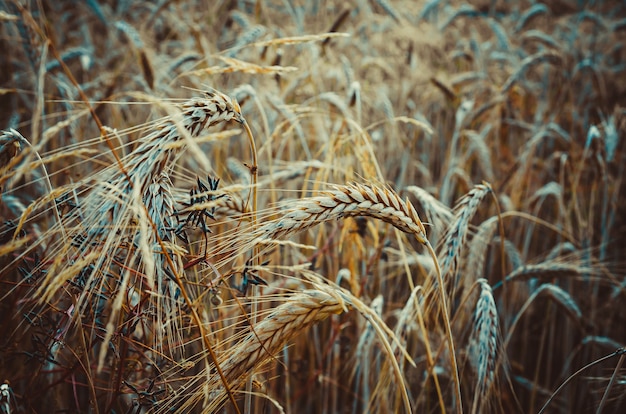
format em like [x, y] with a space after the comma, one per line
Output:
[255, 252]
[429, 357]
[620, 351]
[196, 318]
[611, 382]
[420, 320]
[446, 320]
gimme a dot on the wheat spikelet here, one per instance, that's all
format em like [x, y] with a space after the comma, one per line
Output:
[159, 236]
[160, 206]
[280, 326]
[483, 347]
[348, 201]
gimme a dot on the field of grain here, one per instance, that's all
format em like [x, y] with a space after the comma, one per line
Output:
[307, 206]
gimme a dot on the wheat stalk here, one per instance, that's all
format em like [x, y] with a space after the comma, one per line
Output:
[232, 206]
[410, 311]
[363, 356]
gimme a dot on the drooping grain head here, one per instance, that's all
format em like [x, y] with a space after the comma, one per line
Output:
[348, 201]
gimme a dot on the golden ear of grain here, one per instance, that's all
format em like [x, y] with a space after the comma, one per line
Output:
[154, 151]
[279, 327]
[348, 201]
[282, 324]
[260, 344]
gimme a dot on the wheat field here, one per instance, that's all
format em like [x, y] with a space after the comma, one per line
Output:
[305, 206]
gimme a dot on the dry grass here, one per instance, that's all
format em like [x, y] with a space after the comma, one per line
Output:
[385, 206]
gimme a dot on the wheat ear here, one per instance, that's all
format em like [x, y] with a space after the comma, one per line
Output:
[484, 343]
[301, 311]
[279, 327]
[348, 201]
[260, 344]
[151, 156]
[455, 237]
